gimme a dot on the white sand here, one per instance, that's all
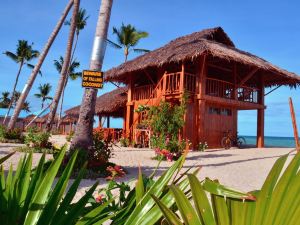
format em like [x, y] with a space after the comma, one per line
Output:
[243, 169]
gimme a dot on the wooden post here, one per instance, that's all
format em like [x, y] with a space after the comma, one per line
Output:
[235, 89]
[294, 124]
[71, 127]
[260, 138]
[100, 121]
[129, 103]
[108, 121]
[181, 87]
[201, 100]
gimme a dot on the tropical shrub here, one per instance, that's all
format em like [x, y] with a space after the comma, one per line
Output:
[36, 139]
[15, 135]
[124, 142]
[202, 146]
[166, 120]
[276, 203]
[70, 136]
[30, 196]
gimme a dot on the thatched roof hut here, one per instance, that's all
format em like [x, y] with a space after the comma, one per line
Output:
[213, 42]
[109, 104]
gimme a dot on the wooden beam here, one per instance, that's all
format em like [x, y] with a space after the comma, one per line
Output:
[220, 67]
[181, 88]
[296, 136]
[248, 76]
[150, 78]
[260, 137]
[273, 89]
[202, 76]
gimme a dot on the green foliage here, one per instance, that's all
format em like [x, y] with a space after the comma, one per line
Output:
[166, 120]
[276, 203]
[127, 38]
[202, 146]
[30, 196]
[12, 136]
[36, 139]
[124, 142]
[70, 136]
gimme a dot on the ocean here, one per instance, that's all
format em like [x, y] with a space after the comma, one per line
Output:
[272, 141]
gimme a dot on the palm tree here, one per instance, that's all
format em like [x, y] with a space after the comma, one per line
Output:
[81, 20]
[72, 74]
[64, 69]
[127, 38]
[4, 99]
[22, 56]
[83, 137]
[38, 66]
[44, 93]
[25, 107]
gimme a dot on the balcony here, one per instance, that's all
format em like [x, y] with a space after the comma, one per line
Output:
[224, 89]
[174, 84]
[170, 84]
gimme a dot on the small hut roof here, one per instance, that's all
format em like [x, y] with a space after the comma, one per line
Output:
[111, 103]
[29, 118]
[44, 118]
[214, 42]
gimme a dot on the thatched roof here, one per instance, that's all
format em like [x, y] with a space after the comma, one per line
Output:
[214, 42]
[108, 104]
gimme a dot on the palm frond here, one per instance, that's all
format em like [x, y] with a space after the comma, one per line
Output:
[140, 50]
[114, 45]
[74, 76]
[12, 56]
[30, 66]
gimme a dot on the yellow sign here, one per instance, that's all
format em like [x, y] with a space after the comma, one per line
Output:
[92, 79]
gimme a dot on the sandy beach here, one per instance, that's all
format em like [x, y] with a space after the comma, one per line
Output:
[243, 169]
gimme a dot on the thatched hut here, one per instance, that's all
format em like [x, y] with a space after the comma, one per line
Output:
[111, 104]
[220, 79]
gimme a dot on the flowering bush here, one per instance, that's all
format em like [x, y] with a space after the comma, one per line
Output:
[115, 172]
[202, 146]
[166, 121]
[124, 142]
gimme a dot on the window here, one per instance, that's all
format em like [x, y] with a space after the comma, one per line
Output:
[220, 111]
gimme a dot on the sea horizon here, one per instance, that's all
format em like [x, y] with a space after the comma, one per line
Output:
[272, 141]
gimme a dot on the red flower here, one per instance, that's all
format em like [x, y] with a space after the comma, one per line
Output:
[99, 198]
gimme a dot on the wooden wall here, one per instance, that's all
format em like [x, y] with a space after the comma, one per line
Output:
[216, 124]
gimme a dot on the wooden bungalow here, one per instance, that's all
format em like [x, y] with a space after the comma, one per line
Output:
[219, 78]
[108, 105]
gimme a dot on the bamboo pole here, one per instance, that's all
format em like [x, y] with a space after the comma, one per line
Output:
[294, 124]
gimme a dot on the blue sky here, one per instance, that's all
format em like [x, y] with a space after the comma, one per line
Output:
[269, 29]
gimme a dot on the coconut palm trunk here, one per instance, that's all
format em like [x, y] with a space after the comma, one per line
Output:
[38, 66]
[61, 103]
[65, 68]
[83, 137]
[13, 92]
[66, 82]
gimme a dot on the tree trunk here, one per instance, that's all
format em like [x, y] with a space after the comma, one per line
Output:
[64, 69]
[66, 82]
[37, 67]
[62, 102]
[13, 92]
[83, 137]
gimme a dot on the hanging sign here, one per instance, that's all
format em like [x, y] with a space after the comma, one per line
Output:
[92, 79]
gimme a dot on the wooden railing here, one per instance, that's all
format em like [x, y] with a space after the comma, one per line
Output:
[144, 92]
[247, 94]
[219, 88]
[224, 89]
[190, 81]
[170, 84]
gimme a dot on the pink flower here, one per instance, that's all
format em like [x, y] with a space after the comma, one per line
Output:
[99, 198]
